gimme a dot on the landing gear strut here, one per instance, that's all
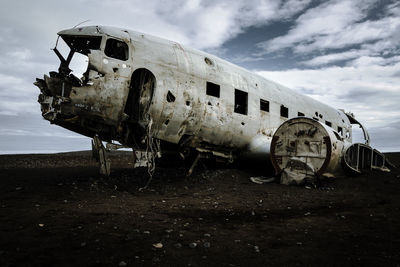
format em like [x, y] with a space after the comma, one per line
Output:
[99, 154]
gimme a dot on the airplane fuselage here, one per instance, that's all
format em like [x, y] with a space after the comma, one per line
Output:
[138, 86]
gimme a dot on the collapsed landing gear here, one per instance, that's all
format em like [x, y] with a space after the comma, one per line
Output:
[99, 154]
[192, 157]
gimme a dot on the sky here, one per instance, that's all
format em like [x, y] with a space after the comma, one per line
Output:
[345, 53]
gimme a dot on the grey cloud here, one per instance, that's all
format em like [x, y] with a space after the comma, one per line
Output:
[387, 137]
[338, 24]
[26, 39]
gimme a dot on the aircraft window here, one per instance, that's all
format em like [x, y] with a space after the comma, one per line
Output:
[240, 102]
[264, 105]
[116, 49]
[300, 114]
[284, 111]
[328, 123]
[340, 130]
[212, 89]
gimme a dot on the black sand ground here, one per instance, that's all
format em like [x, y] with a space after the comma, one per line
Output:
[56, 211]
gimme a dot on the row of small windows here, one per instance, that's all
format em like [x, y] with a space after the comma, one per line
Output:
[241, 104]
[241, 97]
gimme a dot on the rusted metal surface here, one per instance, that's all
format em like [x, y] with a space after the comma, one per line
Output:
[141, 90]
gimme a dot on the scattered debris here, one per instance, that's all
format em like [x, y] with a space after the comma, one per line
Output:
[158, 245]
[262, 179]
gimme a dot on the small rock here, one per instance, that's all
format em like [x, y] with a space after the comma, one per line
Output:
[207, 235]
[178, 245]
[128, 237]
[256, 249]
[193, 245]
[41, 224]
[146, 232]
[206, 244]
[307, 213]
[83, 244]
[18, 188]
[122, 264]
[253, 213]
[168, 231]
[158, 245]
[299, 243]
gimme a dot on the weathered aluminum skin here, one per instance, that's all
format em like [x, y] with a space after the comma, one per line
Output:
[180, 110]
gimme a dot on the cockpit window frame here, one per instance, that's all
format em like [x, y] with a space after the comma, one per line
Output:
[117, 41]
[95, 44]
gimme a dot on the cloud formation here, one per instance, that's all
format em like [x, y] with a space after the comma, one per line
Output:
[345, 53]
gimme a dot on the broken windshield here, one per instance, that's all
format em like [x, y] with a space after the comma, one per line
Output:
[82, 44]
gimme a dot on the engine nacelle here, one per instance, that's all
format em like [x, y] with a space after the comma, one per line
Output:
[302, 148]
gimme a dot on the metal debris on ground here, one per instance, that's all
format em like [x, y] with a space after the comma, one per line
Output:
[262, 179]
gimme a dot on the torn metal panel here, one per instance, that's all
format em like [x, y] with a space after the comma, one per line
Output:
[361, 157]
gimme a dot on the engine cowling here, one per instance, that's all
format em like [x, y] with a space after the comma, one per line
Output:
[302, 148]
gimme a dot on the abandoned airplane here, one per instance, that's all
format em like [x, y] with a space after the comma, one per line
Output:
[148, 94]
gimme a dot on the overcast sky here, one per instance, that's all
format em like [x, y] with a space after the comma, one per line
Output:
[343, 53]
